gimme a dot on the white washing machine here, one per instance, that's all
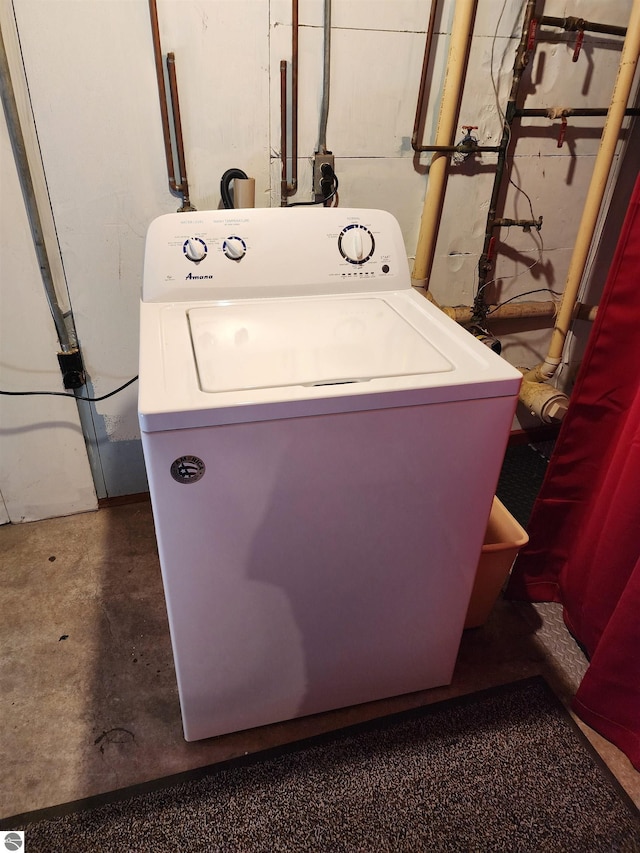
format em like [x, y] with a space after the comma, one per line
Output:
[322, 446]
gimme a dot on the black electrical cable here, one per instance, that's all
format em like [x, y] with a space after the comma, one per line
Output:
[321, 200]
[69, 396]
[225, 186]
[225, 181]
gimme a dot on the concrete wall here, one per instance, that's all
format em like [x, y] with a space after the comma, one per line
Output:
[91, 81]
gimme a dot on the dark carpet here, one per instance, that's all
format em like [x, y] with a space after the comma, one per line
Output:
[501, 770]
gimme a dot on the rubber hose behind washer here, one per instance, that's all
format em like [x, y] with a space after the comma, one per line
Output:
[225, 186]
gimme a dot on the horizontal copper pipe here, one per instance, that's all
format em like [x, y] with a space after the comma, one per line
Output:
[461, 149]
[580, 25]
[565, 112]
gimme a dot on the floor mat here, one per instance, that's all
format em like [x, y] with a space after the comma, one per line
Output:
[521, 477]
[500, 770]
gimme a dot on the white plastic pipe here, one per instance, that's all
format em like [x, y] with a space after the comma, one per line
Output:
[602, 168]
[456, 64]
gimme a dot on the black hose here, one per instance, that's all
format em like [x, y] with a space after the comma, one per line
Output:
[225, 186]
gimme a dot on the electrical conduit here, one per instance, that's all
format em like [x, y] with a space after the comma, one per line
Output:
[456, 65]
[67, 345]
[326, 70]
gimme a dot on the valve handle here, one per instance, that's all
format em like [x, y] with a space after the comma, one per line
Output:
[563, 131]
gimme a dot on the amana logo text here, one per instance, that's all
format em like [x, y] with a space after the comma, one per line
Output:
[191, 275]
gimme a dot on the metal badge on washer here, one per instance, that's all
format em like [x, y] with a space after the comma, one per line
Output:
[188, 469]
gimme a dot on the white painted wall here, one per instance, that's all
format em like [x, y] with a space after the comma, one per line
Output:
[44, 469]
[92, 83]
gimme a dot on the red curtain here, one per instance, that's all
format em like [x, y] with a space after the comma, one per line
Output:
[584, 548]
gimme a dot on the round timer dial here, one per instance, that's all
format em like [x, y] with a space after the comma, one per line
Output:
[356, 244]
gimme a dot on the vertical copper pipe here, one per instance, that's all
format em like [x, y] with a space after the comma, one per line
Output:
[423, 78]
[162, 92]
[283, 131]
[177, 123]
[293, 186]
[288, 189]
[178, 186]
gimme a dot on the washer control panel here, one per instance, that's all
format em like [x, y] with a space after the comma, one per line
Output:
[255, 253]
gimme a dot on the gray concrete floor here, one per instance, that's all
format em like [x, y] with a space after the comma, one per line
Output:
[88, 699]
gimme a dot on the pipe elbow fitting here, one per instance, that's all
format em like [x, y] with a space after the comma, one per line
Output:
[543, 400]
[542, 372]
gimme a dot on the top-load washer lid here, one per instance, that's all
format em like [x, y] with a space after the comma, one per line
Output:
[261, 344]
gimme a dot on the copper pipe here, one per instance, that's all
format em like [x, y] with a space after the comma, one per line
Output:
[293, 186]
[177, 124]
[521, 60]
[423, 78]
[283, 131]
[462, 149]
[459, 45]
[289, 189]
[580, 25]
[162, 92]
[477, 149]
[175, 187]
[558, 112]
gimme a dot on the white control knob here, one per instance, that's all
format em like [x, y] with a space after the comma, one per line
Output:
[356, 244]
[195, 249]
[234, 248]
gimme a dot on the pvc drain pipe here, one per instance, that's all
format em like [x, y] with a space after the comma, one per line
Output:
[456, 65]
[593, 203]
